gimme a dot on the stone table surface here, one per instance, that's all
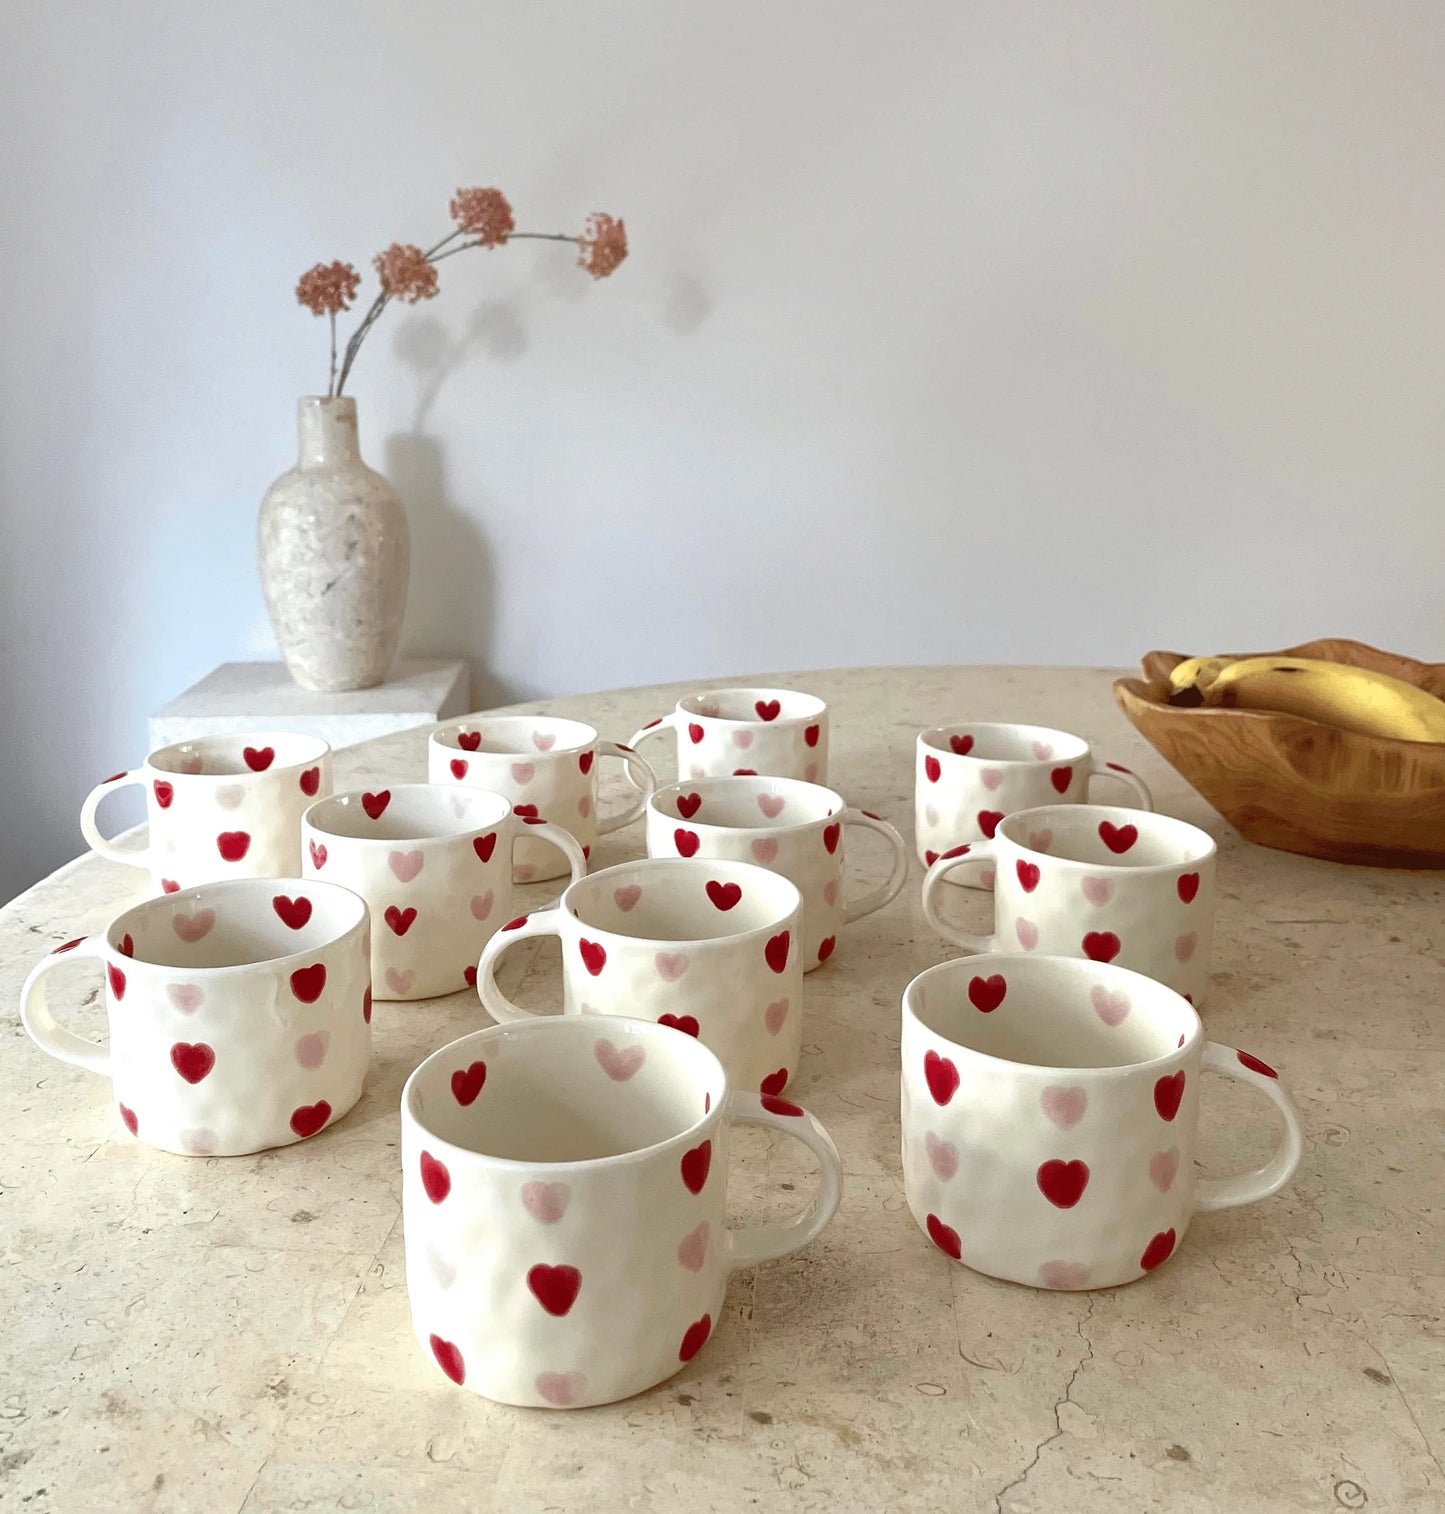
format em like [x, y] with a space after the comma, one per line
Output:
[232, 1335]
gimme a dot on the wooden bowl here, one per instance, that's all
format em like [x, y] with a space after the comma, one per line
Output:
[1300, 785]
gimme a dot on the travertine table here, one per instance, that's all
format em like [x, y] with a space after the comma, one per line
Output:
[232, 1334]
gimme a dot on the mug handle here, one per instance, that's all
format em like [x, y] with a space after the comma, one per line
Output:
[43, 1028]
[542, 922]
[748, 1246]
[855, 909]
[975, 851]
[1130, 779]
[1246, 1187]
[102, 845]
[559, 836]
[653, 728]
[645, 784]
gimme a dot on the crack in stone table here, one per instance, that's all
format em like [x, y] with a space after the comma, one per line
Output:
[232, 1335]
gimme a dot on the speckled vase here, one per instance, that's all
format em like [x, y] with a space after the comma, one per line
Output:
[335, 556]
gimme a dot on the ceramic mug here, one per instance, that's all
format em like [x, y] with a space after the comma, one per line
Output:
[970, 775]
[240, 1013]
[564, 1196]
[1050, 1108]
[795, 828]
[720, 733]
[710, 948]
[548, 768]
[1086, 880]
[219, 807]
[434, 866]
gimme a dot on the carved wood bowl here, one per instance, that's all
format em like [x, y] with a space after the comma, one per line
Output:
[1297, 784]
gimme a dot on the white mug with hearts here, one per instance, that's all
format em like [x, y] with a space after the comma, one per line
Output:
[710, 948]
[434, 865]
[564, 1197]
[240, 1014]
[548, 768]
[1049, 1142]
[1087, 880]
[970, 775]
[721, 733]
[795, 828]
[219, 807]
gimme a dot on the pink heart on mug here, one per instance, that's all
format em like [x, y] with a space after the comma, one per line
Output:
[626, 898]
[1068, 1275]
[619, 1063]
[810, 773]
[765, 850]
[311, 1050]
[400, 982]
[561, 1388]
[830, 891]
[230, 795]
[201, 1142]
[985, 878]
[671, 965]
[692, 1250]
[1184, 946]
[942, 1155]
[742, 739]
[584, 806]
[1043, 751]
[543, 743]
[990, 778]
[546, 1202]
[192, 928]
[771, 805]
[523, 872]
[1097, 890]
[1041, 841]
[405, 865]
[185, 996]
[1028, 934]
[1163, 1165]
[1064, 1106]
[481, 904]
[1111, 1008]
[774, 1015]
[523, 772]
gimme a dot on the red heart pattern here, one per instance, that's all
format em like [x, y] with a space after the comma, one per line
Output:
[775, 1082]
[1160, 1249]
[774, 1105]
[555, 1288]
[724, 895]
[400, 921]
[366, 999]
[961, 745]
[831, 834]
[988, 821]
[193, 1062]
[584, 761]
[688, 805]
[170, 886]
[1255, 1065]
[318, 855]
[695, 1165]
[449, 1359]
[945, 1237]
[694, 733]
[164, 792]
[233, 845]
[811, 734]
[375, 804]
[307, 983]
[467, 1083]
[129, 1119]
[941, 1076]
[1168, 1092]
[685, 1023]
[127, 945]
[469, 741]
[307, 1119]
[768, 709]
[1188, 886]
[1101, 946]
[594, 955]
[825, 947]
[986, 994]
[293, 913]
[484, 846]
[258, 759]
[695, 1338]
[932, 769]
[776, 951]
[310, 781]
[1063, 1183]
[1118, 838]
[459, 768]
[1061, 778]
[117, 981]
[1028, 875]
[687, 842]
[436, 1181]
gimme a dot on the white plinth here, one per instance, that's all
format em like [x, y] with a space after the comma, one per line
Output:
[260, 696]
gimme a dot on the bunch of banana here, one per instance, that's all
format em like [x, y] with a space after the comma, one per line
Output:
[1335, 693]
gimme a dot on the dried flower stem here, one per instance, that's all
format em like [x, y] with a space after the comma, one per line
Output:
[331, 384]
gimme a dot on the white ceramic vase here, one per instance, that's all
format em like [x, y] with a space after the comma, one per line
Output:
[335, 556]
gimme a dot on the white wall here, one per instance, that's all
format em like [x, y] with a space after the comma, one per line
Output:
[952, 332]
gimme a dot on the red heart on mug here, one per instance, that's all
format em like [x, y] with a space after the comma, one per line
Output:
[1063, 1183]
[555, 1288]
[308, 982]
[687, 842]
[768, 709]
[193, 1062]
[399, 921]
[467, 1083]
[594, 955]
[776, 951]
[1188, 886]
[375, 804]
[310, 781]
[1160, 1249]
[318, 856]
[811, 735]
[459, 766]
[941, 1076]
[1255, 1065]
[449, 1359]
[1168, 1092]
[695, 1338]
[685, 1023]
[688, 805]
[724, 895]
[775, 1082]
[436, 1181]
[986, 994]
[695, 733]
[307, 1119]
[988, 821]
[945, 1237]
[1101, 946]
[258, 759]
[1061, 778]
[484, 846]
[962, 745]
[1118, 838]
[233, 845]
[469, 741]
[164, 792]
[695, 1165]
[1028, 875]
[831, 833]
[294, 913]
[932, 768]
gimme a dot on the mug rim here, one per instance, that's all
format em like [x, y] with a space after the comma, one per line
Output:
[353, 797]
[1209, 852]
[967, 727]
[1078, 966]
[248, 738]
[574, 1025]
[262, 887]
[686, 703]
[445, 735]
[755, 783]
[694, 865]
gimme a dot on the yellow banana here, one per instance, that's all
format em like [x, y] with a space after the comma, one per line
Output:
[1197, 672]
[1355, 699]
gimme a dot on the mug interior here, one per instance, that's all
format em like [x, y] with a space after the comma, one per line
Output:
[412, 812]
[1052, 1012]
[1099, 835]
[753, 706]
[566, 1089]
[987, 741]
[748, 803]
[681, 899]
[517, 735]
[238, 756]
[239, 923]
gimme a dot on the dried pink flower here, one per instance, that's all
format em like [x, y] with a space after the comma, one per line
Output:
[405, 273]
[328, 288]
[485, 214]
[603, 245]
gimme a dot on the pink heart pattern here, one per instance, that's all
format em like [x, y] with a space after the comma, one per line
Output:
[546, 1202]
[1163, 1165]
[1064, 1107]
[692, 1249]
[942, 1156]
[619, 1063]
[1098, 891]
[1111, 1007]
[406, 865]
